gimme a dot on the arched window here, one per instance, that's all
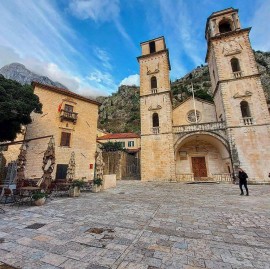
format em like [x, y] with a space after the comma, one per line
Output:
[153, 82]
[225, 26]
[155, 120]
[245, 109]
[235, 65]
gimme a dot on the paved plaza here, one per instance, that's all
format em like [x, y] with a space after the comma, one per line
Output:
[142, 226]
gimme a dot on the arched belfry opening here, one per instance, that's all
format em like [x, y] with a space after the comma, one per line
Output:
[225, 26]
[155, 119]
[235, 65]
[245, 109]
[154, 84]
[152, 46]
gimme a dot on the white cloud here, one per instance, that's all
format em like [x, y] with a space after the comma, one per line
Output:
[260, 27]
[104, 79]
[131, 80]
[8, 56]
[46, 45]
[104, 57]
[97, 10]
[177, 16]
[100, 11]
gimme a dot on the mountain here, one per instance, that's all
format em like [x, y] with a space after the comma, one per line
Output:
[120, 112]
[21, 74]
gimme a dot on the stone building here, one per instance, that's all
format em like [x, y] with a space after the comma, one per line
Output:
[129, 141]
[72, 120]
[200, 140]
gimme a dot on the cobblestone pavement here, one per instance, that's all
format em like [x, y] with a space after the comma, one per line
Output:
[142, 226]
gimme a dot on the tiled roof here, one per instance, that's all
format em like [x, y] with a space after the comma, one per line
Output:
[65, 92]
[118, 136]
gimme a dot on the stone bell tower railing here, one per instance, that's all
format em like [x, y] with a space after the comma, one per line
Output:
[211, 126]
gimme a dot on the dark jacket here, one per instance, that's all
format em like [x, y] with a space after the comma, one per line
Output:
[242, 175]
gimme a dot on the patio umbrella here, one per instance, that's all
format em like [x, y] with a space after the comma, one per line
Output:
[48, 163]
[71, 167]
[21, 162]
[99, 165]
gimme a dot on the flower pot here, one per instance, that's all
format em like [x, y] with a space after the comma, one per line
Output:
[96, 188]
[40, 201]
[74, 192]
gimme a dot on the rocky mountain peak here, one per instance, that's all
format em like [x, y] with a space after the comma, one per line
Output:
[19, 73]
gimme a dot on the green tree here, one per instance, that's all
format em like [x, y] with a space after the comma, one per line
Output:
[112, 146]
[16, 104]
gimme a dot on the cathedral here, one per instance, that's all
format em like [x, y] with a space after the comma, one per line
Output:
[201, 140]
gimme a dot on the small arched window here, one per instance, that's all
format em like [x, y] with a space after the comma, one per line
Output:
[245, 109]
[235, 65]
[155, 119]
[224, 26]
[153, 82]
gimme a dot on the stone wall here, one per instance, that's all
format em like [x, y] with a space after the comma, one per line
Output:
[124, 165]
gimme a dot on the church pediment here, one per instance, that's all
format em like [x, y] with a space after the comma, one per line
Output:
[246, 94]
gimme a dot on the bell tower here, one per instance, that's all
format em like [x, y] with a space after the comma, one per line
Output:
[238, 92]
[157, 153]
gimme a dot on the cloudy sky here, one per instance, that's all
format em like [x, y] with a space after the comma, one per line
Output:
[91, 45]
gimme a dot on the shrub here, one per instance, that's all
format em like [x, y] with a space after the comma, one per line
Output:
[78, 183]
[38, 195]
[97, 181]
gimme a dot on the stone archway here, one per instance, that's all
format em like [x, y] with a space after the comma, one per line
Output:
[202, 156]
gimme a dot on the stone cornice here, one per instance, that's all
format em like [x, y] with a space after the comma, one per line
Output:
[166, 51]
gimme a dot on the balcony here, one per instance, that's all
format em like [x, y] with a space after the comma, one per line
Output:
[155, 130]
[237, 74]
[154, 90]
[247, 120]
[211, 126]
[68, 116]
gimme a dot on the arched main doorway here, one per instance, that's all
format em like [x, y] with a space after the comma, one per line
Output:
[202, 157]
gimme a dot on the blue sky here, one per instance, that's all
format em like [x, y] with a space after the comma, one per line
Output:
[91, 45]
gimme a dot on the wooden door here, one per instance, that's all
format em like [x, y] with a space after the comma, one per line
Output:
[199, 166]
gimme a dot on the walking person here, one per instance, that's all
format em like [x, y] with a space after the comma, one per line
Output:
[243, 181]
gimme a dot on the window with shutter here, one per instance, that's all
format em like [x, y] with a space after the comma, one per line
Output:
[65, 139]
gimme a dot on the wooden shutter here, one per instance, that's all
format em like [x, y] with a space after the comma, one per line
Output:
[65, 139]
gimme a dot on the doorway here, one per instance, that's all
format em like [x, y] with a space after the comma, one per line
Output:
[199, 167]
[61, 171]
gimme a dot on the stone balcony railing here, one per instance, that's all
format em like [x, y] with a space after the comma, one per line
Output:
[237, 74]
[247, 120]
[68, 116]
[155, 130]
[211, 126]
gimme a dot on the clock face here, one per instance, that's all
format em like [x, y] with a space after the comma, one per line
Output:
[191, 116]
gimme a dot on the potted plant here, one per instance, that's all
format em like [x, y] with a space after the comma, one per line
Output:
[39, 198]
[75, 188]
[97, 182]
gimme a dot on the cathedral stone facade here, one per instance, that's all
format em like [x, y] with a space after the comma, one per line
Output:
[200, 140]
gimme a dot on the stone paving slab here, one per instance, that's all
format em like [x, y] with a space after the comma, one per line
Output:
[139, 225]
